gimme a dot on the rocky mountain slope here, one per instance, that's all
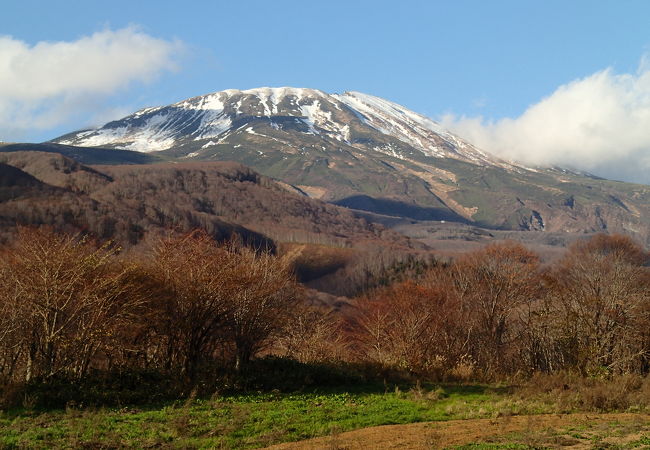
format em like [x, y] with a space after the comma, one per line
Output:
[367, 153]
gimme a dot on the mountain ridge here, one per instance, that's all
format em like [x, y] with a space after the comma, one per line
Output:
[368, 153]
[215, 111]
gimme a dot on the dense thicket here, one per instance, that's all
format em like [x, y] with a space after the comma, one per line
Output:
[63, 301]
[496, 312]
[68, 306]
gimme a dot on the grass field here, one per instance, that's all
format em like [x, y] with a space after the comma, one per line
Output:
[262, 419]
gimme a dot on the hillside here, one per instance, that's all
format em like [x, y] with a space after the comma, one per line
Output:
[128, 202]
[239, 195]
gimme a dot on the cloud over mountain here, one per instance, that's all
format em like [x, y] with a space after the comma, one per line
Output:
[42, 85]
[599, 123]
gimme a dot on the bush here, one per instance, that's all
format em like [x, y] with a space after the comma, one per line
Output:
[574, 392]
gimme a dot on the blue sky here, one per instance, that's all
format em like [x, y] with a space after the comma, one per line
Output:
[465, 59]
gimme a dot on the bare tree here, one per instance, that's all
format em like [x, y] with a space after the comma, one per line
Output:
[313, 335]
[10, 323]
[600, 296]
[65, 297]
[263, 295]
[407, 326]
[192, 278]
[493, 285]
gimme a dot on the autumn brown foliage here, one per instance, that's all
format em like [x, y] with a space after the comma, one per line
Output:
[495, 312]
[69, 306]
[191, 306]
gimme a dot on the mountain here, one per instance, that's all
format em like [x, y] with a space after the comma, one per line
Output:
[351, 119]
[370, 154]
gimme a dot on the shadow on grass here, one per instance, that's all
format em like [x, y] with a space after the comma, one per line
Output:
[265, 379]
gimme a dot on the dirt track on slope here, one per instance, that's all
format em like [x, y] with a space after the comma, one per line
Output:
[548, 430]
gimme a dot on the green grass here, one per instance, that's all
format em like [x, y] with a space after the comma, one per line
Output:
[243, 421]
[259, 419]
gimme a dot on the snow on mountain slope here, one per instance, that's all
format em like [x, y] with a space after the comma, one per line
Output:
[410, 127]
[334, 118]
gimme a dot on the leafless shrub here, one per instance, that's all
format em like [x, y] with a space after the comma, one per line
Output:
[63, 299]
[263, 295]
[313, 335]
[599, 307]
[191, 276]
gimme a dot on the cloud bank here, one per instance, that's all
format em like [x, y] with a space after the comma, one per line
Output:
[43, 85]
[600, 124]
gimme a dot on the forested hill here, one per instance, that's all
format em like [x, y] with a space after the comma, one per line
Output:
[125, 203]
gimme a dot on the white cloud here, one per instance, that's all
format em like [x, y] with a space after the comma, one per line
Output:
[43, 85]
[600, 123]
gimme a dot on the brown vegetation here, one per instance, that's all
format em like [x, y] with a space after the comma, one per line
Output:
[69, 306]
[496, 311]
[600, 301]
[63, 300]
[127, 203]
[190, 305]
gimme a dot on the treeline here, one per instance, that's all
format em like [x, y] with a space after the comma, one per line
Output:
[190, 309]
[69, 307]
[497, 312]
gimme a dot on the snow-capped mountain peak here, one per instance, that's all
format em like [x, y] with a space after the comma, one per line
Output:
[352, 119]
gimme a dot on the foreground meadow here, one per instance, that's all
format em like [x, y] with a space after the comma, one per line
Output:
[504, 416]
